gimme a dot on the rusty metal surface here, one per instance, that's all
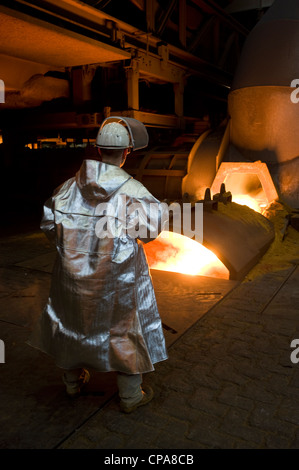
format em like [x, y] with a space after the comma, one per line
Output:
[238, 235]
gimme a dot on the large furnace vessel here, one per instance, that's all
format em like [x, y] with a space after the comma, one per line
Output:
[263, 104]
[263, 114]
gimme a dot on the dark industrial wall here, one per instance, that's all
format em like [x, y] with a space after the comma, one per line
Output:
[28, 178]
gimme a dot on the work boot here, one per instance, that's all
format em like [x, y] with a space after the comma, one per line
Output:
[73, 388]
[147, 396]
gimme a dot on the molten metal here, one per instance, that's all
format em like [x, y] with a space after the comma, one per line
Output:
[177, 253]
[252, 202]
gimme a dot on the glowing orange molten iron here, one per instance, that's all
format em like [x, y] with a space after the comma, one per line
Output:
[254, 203]
[245, 200]
[177, 253]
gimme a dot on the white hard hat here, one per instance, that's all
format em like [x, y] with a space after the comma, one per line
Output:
[113, 135]
[122, 132]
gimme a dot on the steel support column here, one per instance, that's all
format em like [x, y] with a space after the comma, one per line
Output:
[133, 85]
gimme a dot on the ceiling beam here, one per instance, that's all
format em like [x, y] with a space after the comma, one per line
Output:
[245, 5]
[212, 8]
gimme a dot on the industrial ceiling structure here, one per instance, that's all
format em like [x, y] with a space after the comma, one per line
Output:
[164, 62]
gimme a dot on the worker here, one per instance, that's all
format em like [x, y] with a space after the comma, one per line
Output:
[102, 312]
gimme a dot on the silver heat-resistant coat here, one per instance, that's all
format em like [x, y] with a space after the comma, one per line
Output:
[101, 311]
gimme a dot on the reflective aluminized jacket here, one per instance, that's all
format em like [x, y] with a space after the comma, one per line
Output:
[101, 311]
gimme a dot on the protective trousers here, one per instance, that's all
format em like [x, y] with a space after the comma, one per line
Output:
[129, 386]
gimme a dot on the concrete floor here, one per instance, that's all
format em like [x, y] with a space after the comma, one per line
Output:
[229, 381]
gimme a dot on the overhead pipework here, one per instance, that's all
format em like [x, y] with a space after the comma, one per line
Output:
[84, 46]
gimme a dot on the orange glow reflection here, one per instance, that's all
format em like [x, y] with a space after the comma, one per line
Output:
[177, 253]
[246, 200]
[247, 190]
